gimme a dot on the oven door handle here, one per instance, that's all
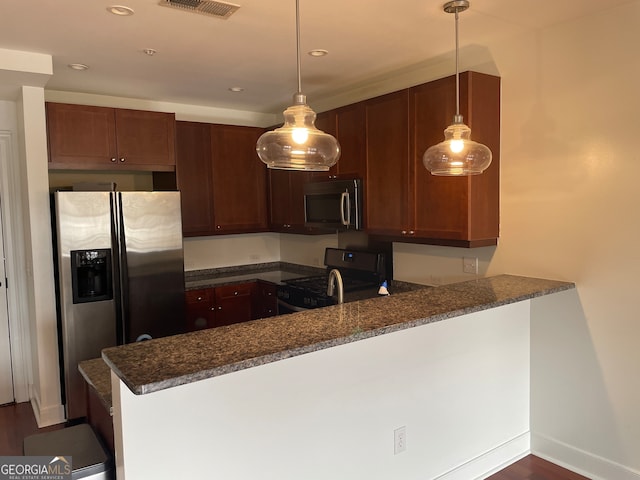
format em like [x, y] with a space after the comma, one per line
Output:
[345, 200]
[291, 307]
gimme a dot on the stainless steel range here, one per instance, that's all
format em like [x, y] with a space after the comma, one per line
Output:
[360, 274]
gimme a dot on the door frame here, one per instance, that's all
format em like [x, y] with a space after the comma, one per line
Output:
[15, 263]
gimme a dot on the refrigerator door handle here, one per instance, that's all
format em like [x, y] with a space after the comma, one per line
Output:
[118, 266]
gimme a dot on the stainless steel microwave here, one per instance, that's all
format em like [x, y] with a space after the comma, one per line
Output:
[333, 204]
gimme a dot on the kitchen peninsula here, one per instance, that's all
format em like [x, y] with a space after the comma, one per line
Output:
[319, 394]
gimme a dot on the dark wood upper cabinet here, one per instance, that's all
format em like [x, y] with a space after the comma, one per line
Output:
[239, 180]
[351, 133]
[101, 138]
[223, 183]
[286, 200]
[387, 187]
[194, 177]
[347, 125]
[464, 209]
[404, 202]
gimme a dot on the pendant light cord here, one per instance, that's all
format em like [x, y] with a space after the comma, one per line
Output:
[458, 118]
[298, 46]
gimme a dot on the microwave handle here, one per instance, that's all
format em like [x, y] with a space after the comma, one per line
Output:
[344, 200]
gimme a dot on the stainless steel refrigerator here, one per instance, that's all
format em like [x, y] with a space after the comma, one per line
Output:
[120, 275]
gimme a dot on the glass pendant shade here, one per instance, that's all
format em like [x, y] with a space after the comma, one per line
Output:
[457, 154]
[298, 144]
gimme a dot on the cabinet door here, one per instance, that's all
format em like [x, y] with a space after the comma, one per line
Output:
[279, 200]
[386, 188]
[199, 309]
[194, 177]
[351, 133]
[239, 180]
[326, 121]
[233, 303]
[265, 300]
[286, 200]
[348, 125]
[457, 208]
[145, 138]
[80, 135]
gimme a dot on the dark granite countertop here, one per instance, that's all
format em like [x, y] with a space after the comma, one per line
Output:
[98, 375]
[274, 272]
[162, 363]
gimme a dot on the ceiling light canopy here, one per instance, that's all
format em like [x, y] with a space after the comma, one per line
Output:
[298, 144]
[78, 66]
[457, 155]
[120, 10]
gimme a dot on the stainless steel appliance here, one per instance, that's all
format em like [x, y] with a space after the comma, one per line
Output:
[361, 273]
[333, 204]
[120, 275]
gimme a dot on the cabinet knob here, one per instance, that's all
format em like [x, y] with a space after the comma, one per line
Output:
[212, 308]
[411, 232]
[404, 232]
[122, 160]
[199, 299]
[235, 293]
[113, 160]
[218, 227]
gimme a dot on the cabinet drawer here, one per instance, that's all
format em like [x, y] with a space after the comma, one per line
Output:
[203, 295]
[234, 291]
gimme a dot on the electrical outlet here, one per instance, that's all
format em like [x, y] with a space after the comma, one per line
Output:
[399, 440]
[470, 265]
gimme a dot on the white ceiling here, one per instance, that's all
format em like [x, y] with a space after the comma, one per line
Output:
[199, 57]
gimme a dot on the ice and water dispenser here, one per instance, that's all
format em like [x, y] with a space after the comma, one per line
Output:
[91, 275]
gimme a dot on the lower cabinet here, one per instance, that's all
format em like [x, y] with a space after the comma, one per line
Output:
[233, 303]
[265, 300]
[199, 309]
[228, 304]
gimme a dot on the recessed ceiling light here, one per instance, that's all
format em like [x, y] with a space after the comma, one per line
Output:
[150, 51]
[78, 66]
[120, 10]
[236, 89]
[318, 52]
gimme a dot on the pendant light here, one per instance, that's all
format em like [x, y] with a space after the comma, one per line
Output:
[458, 155]
[298, 144]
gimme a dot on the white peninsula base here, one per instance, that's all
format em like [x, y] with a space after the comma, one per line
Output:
[460, 386]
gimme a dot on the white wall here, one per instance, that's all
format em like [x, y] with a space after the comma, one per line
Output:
[229, 250]
[42, 320]
[569, 211]
[460, 387]
[306, 249]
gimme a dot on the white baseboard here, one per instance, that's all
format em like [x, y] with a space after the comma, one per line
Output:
[579, 461]
[491, 461]
[45, 417]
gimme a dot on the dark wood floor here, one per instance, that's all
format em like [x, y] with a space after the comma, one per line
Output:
[17, 422]
[535, 468]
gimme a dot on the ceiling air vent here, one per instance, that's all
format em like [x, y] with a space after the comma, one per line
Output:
[205, 7]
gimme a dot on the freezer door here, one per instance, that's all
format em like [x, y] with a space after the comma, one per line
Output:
[87, 322]
[152, 264]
